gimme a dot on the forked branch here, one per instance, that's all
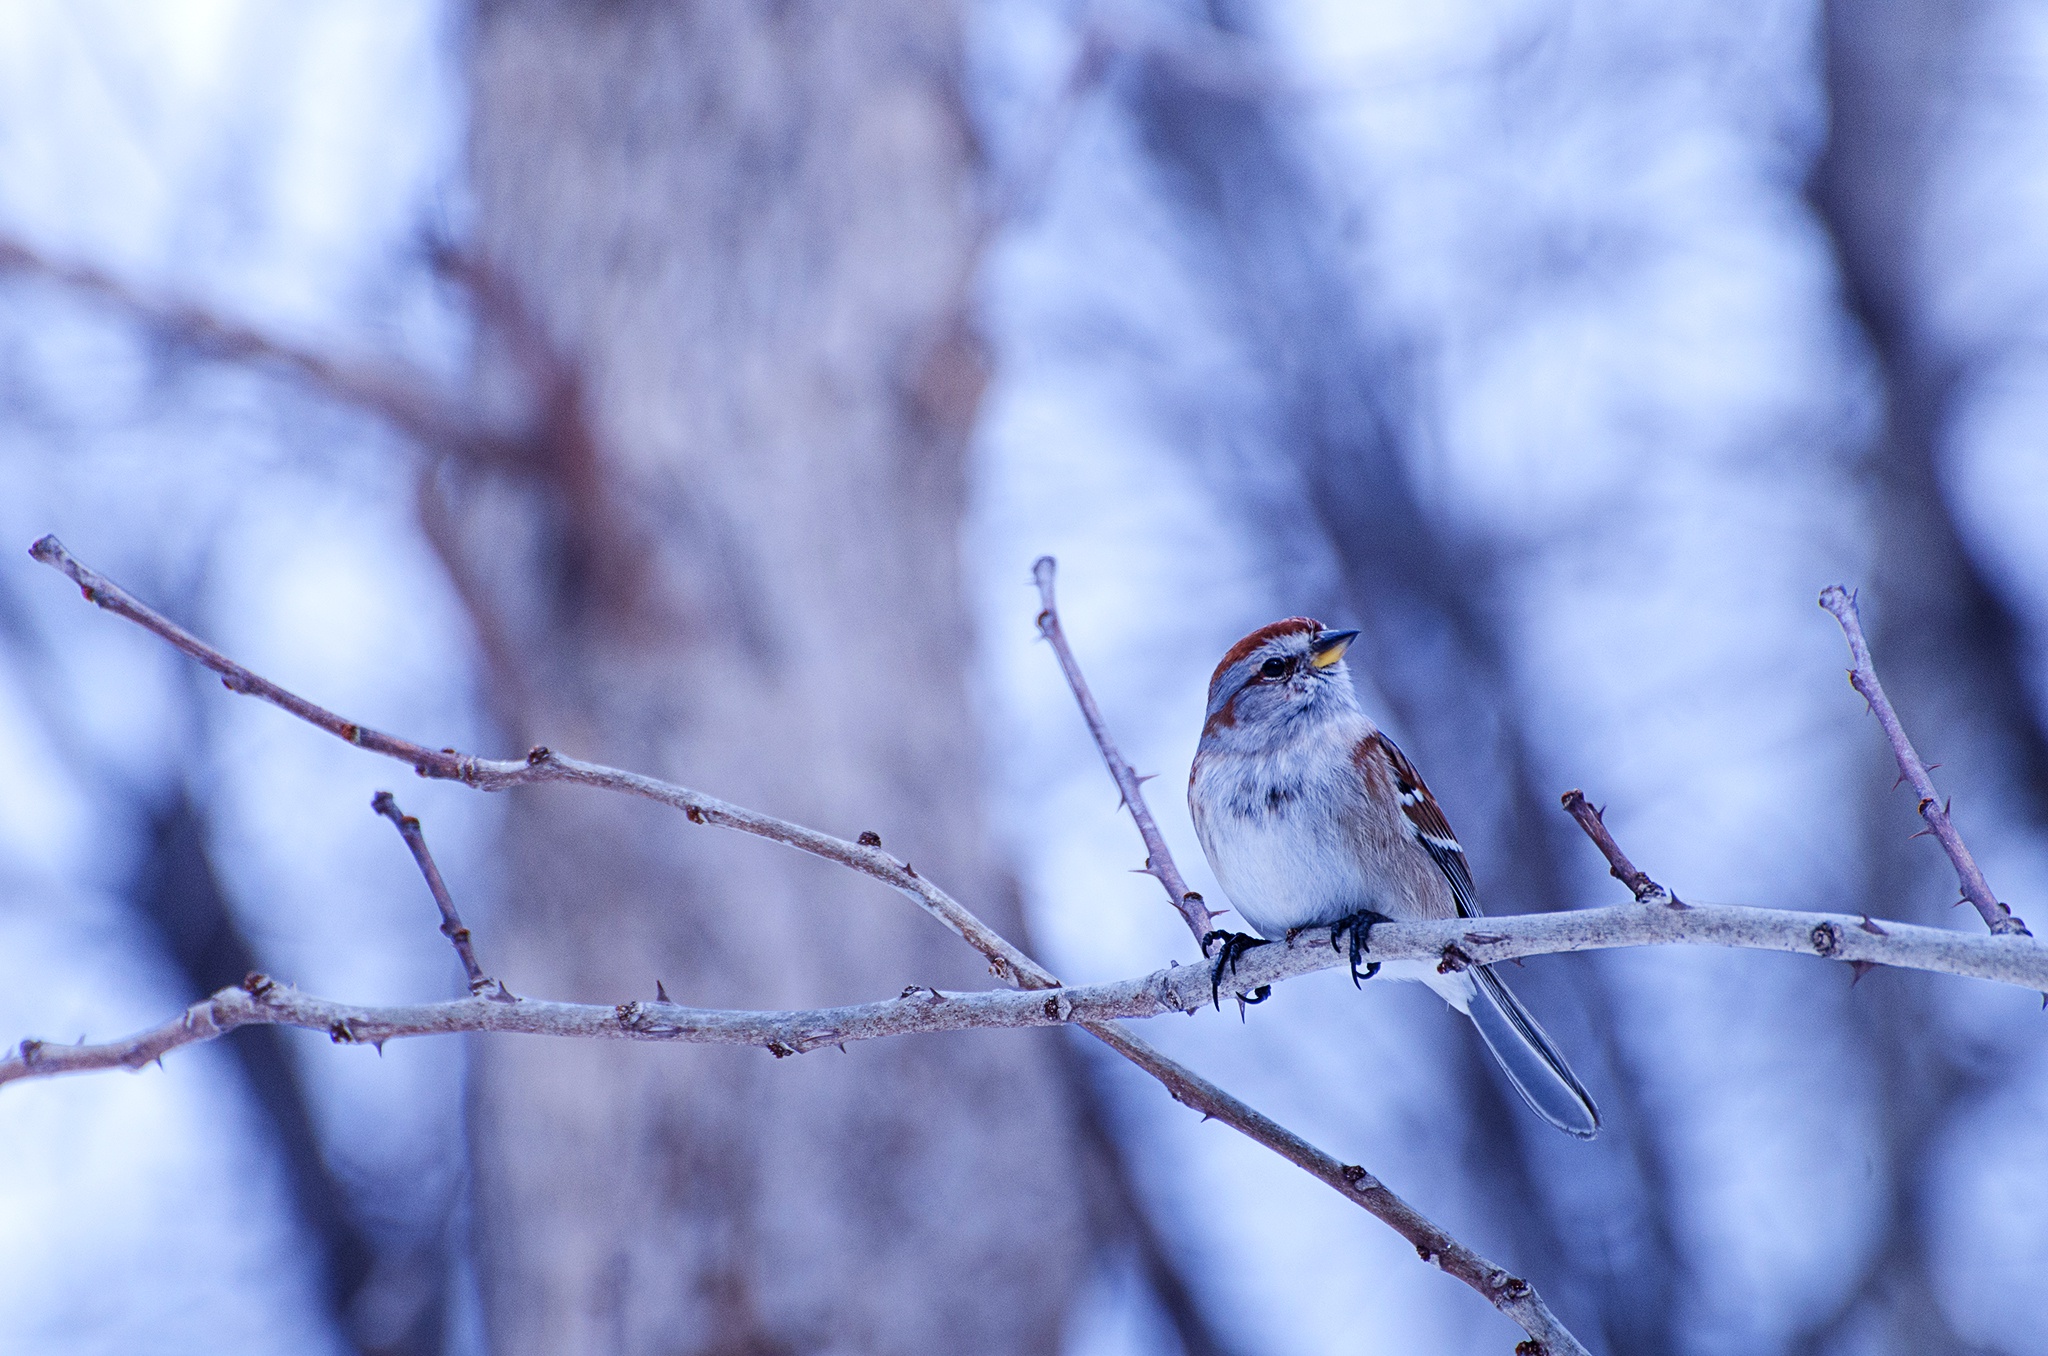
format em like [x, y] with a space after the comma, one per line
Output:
[544, 765]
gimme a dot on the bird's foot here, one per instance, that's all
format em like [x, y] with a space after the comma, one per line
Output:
[1235, 944]
[1357, 928]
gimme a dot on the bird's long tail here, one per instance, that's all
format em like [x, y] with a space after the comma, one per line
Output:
[1531, 1062]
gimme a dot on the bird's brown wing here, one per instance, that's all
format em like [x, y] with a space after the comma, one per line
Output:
[1432, 830]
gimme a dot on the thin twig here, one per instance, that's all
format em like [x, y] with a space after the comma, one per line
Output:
[259, 1000]
[1932, 808]
[451, 922]
[1640, 885]
[1158, 860]
[1513, 1296]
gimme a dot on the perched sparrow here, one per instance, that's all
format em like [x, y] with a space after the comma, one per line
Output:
[1311, 818]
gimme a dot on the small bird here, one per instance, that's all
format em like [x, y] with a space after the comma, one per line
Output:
[1312, 818]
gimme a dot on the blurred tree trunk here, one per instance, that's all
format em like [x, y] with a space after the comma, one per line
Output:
[746, 235]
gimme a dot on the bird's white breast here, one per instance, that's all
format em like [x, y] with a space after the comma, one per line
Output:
[1281, 830]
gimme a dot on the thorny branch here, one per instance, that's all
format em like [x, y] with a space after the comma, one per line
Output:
[544, 765]
[1932, 808]
[260, 1000]
[1158, 860]
[1450, 943]
[451, 921]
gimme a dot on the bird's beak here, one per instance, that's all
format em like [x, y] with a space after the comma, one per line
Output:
[1330, 647]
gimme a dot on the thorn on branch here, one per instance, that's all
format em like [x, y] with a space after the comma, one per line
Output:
[1861, 968]
[661, 992]
[1871, 925]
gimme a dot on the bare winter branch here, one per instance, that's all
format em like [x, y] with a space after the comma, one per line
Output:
[451, 921]
[543, 765]
[1933, 808]
[1158, 860]
[1450, 943]
[260, 1000]
[1513, 1296]
[1592, 820]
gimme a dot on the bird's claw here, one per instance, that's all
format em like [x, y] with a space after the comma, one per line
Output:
[1235, 944]
[1358, 927]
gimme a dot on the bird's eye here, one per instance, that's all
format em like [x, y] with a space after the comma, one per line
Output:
[1272, 668]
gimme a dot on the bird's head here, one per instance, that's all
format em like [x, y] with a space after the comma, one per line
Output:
[1277, 676]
